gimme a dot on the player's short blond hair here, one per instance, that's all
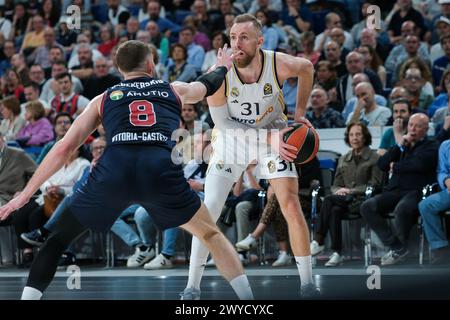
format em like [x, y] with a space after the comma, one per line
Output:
[243, 18]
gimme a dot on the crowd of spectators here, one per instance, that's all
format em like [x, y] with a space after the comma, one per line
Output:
[397, 75]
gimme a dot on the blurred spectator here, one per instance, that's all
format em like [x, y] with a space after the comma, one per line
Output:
[56, 54]
[393, 136]
[358, 28]
[297, 15]
[290, 97]
[16, 168]
[200, 12]
[355, 171]
[351, 103]
[100, 80]
[397, 93]
[8, 51]
[85, 68]
[82, 41]
[424, 68]
[355, 64]
[37, 76]
[400, 52]
[12, 122]
[307, 42]
[107, 40]
[431, 208]
[165, 25]
[42, 54]
[442, 63]
[38, 130]
[373, 62]
[229, 20]
[442, 27]
[366, 110]
[66, 37]
[321, 116]
[441, 100]
[19, 23]
[337, 35]
[200, 38]
[195, 53]
[333, 53]
[34, 36]
[19, 66]
[5, 25]
[159, 40]
[404, 12]
[180, 70]
[117, 13]
[51, 87]
[62, 122]
[413, 83]
[369, 38]
[143, 13]
[332, 20]
[218, 40]
[50, 10]
[32, 92]
[67, 101]
[225, 7]
[12, 85]
[271, 6]
[132, 27]
[413, 165]
[271, 38]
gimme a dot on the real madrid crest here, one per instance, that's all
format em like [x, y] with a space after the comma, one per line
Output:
[234, 92]
[267, 89]
[219, 166]
[271, 166]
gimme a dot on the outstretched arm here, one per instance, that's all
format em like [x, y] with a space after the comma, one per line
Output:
[290, 67]
[84, 125]
[207, 84]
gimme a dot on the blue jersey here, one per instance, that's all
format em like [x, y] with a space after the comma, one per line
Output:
[141, 111]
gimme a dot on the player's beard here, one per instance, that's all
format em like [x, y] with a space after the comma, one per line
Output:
[244, 62]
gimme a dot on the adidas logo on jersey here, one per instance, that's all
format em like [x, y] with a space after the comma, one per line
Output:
[228, 170]
[234, 101]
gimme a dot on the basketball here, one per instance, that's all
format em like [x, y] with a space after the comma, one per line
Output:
[305, 138]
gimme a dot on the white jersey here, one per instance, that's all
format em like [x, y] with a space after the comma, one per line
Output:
[260, 104]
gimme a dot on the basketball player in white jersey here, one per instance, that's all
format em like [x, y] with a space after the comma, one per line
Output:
[251, 97]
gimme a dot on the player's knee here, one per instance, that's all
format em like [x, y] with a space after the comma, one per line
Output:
[211, 235]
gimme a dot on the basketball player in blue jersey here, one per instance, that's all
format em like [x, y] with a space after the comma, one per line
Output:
[251, 97]
[139, 116]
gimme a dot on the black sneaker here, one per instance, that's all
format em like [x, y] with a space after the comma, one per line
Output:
[66, 259]
[35, 237]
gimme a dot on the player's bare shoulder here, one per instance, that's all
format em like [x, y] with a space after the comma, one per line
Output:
[289, 66]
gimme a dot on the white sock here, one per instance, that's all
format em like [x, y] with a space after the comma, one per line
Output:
[304, 267]
[30, 293]
[242, 287]
[199, 255]
[216, 192]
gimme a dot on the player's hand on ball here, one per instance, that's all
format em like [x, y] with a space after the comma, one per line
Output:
[15, 204]
[286, 151]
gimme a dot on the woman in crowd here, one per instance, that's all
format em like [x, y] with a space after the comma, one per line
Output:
[38, 130]
[355, 171]
[12, 121]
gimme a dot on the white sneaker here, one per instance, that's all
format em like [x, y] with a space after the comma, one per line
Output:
[190, 294]
[283, 260]
[139, 257]
[335, 259]
[315, 248]
[160, 262]
[246, 244]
